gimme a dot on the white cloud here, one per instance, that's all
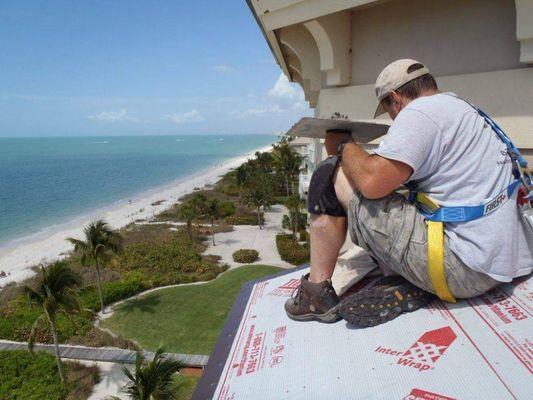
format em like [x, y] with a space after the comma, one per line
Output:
[113, 116]
[283, 89]
[224, 68]
[288, 95]
[268, 109]
[189, 116]
[284, 96]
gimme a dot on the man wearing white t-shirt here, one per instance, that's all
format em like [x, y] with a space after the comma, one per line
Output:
[438, 144]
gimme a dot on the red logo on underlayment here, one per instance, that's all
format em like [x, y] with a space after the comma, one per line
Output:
[286, 289]
[431, 345]
[417, 394]
[425, 352]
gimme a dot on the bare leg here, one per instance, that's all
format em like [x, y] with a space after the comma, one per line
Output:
[327, 237]
[328, 233]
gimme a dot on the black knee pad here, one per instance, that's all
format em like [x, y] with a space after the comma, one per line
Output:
[321, 196]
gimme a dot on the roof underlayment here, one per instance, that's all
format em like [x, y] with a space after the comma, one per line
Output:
[479, 348]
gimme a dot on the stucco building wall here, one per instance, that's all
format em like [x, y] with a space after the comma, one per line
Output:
[453, 37]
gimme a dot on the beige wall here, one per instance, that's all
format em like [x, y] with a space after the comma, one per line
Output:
[450, 36]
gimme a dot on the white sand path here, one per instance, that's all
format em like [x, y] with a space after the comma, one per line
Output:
[251, 237]
[112, 379]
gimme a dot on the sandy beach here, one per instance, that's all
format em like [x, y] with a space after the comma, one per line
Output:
[17, 257]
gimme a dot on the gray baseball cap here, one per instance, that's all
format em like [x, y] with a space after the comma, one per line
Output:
[393, 76]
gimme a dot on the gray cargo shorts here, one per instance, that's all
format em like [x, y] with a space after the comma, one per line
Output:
[395, 234]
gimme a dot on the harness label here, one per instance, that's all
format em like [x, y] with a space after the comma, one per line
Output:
[496, 203]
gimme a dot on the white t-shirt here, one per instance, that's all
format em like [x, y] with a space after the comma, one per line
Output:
[459, 161]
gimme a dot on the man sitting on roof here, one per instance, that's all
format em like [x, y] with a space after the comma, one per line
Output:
[438, 144]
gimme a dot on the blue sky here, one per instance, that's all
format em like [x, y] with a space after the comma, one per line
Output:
[70, 68]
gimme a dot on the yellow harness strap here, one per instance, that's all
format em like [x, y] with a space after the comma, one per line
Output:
[435, 252]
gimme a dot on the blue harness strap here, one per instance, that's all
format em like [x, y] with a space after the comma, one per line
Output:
[466, 213]
[470, 213]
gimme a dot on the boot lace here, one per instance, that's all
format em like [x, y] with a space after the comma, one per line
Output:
[296, 295]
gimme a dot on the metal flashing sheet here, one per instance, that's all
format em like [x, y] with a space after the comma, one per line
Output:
[362, 131]
[476, 349]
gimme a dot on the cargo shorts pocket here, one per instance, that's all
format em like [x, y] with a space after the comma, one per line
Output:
[381, 226]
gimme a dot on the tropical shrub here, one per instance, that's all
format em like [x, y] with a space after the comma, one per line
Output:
[113, 292]
[302, 221]
[245, 256]
[231, 190]
[227, 208]
[292, 251]
[159, 256]
[29, 377]
[304, 236]
[17, 318]
[35, 377]
[248, 219]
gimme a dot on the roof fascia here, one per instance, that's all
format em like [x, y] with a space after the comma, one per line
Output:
[307, 10]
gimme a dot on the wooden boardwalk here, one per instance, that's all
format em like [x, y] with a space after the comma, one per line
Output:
[108, 354]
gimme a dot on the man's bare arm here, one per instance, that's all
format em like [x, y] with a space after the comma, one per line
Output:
[372, 175]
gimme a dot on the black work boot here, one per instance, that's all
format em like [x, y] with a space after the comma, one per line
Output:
[313, 301]
[387, 299]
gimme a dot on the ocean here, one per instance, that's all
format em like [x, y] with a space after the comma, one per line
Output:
[49, 181]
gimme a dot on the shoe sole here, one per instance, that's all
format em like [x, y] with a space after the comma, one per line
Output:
[373, 307]
[330, 316]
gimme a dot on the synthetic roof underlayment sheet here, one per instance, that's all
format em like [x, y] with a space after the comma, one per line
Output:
[476, 349]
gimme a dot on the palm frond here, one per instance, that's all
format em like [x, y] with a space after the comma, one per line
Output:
[31, 339]
[152, 380]
[55, 291]
[99, 241]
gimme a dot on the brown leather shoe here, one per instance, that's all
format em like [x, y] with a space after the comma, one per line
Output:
[313, 302]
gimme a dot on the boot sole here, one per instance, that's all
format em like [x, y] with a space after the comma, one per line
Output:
[373, 307]
[330, 316]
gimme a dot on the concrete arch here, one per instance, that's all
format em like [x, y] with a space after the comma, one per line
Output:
[301, 43]
[323, 42]
[295, 70]
[332, 35]
[297, 77]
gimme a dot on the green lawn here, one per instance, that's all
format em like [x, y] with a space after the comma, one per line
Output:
[183, 319]
[187, 384]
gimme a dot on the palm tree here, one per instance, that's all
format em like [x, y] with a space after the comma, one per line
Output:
[55, 293]
[287, 163]
[100, 243]
[258, 197]
[152, 380]
[199, 202]
[241, 176]
[213, 213]
[264, 161]
[293, 204]
[188, 213]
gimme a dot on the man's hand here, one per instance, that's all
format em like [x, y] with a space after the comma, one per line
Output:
[333, 139]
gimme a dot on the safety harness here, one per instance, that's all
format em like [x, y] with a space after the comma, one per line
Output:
[436, 215]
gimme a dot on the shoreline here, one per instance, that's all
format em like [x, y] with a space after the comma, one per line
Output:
[19, 255]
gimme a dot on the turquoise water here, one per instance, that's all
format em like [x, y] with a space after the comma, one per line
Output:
[48, 181]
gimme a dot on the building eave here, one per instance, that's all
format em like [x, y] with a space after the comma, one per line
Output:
[271, 40]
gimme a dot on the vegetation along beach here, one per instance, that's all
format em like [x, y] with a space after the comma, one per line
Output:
[148, 280]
